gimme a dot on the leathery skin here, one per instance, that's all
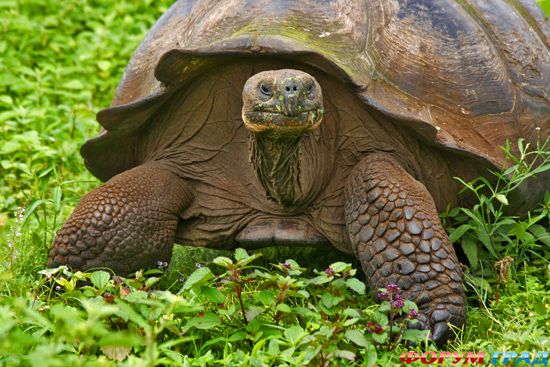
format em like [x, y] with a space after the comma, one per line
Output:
[398, 237]
[126, 224]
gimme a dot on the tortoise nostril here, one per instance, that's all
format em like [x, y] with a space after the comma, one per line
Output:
[291, 87]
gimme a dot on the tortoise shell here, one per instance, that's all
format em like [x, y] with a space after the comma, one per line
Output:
[464, 75]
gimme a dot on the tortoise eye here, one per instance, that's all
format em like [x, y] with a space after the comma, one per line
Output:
[310, 89]
[266, 90]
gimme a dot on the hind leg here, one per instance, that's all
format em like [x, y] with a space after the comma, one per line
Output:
[396, 233]
[126, 224]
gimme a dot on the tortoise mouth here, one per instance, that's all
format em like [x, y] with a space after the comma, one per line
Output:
[258, 121]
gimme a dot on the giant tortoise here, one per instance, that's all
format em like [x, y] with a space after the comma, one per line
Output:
[325, 123]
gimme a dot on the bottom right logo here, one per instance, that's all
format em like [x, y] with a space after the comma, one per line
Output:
[469, 358]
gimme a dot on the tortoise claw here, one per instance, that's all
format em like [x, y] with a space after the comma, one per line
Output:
[421, 324]
[437, 323]
[441, 333]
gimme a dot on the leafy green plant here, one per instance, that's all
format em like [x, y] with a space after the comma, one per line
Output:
[246, 315]
[486, 231]
[545, 6]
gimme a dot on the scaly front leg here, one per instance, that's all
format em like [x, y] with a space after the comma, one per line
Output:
[127, 224]
[397, 235]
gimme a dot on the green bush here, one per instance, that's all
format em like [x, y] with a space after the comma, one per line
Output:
[244, 316]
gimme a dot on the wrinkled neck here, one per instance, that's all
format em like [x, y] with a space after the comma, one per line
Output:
[276, 160]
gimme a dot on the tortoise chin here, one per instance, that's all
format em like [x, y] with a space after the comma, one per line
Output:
[260, 121]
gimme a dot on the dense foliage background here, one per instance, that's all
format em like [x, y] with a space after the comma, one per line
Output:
[60, 64]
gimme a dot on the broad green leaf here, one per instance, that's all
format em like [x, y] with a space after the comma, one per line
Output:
[74, 84]
[415, 335]
[241, 254]
[351, 312]
[68, 284]
[237, 336]
[330, 300]
[208, 321]
[357, 337]
[351, 321]
[339, 266]
[172, 355]
[371, 356]
[273, 348]
[380, 318]
[7, 100]
[223, 261]
[10, 147]
[127, 313]
[284, 308]
[457, 233]
[100, 279]
[484, 237]
[252, 312]
[321, 279]
[265, 297]
[380, 338]
[149, 282]
[199, 276]
[253, 326]
[212, 294]
[121, 338]
[103, 65]
[307, 313]
[208, 344]
[357, 285]
[542, 234]
[294, 334]
[469, 246]
[136, 296]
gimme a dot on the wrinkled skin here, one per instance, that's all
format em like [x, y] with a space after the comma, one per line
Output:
[388, 218]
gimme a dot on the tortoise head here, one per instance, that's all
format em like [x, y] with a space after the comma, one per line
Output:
[282, 101]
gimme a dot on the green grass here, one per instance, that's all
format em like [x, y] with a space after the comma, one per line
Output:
[60, 64]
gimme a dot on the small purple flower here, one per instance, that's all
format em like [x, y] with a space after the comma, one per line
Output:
[374, 327]
[412, 314]
[198, 266]
[329, 271]
[382, 295]
[286, 264]
[397, 302]
[392, 288]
